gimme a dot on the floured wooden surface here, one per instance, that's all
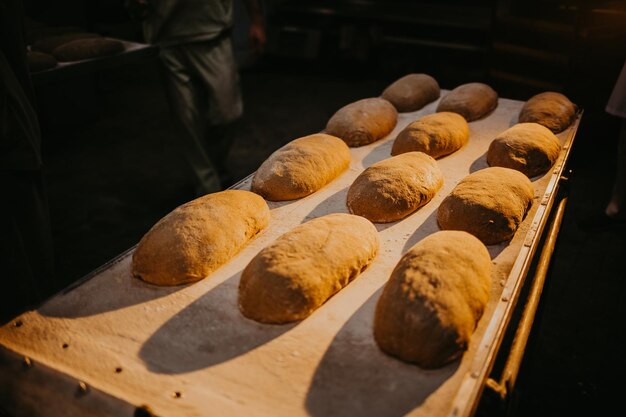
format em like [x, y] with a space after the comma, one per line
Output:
[192, 339]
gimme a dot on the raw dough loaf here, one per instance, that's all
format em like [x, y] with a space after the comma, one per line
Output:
[393, 188]
[301, 167]
[39, 61]
[436, 134]
[303, 268]
[87, 49]
[430, 306]
[35, 31]
[50, 43]
[412, 92]
[472, 101]
[527, 147]
[363, 122]
[550, 109]
[490, 204]
[198, 237]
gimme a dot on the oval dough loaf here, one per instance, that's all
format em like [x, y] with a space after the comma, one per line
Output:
[49, 43]
[490, 204]
[363, 122]
[303, 268]
[301, 167]
[472, 101]
[550, 109]
[393, 188]
[40, 61]
[37, 31]
[412, 92]
[87, 49]
[436, 134]
[430, 306]
[527, 147]
[198, 237]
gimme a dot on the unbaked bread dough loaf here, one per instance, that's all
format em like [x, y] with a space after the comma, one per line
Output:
[412, 92]
[430, 306]
[527, 147]
[301, 167]
[49, 43]
[472, 101]
[550, 109]
[35, 31]
[198, 237]
[295, 275]
[490, 204]
[436, 134]
[39, 61]
[393, 188]
[87, 49]
[363, 122]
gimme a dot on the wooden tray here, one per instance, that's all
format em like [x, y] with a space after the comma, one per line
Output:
[187, 351]
[133, 52]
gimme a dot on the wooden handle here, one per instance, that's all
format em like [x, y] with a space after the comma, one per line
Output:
[511, 368]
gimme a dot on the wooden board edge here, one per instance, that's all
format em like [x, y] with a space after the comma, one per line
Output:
[43, 391]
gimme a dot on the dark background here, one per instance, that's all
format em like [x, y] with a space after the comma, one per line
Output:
[112, 170]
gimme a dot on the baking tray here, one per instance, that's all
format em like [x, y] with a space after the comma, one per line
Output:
[133, 52]
[187, 351]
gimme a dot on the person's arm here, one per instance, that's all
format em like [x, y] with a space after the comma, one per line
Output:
[256, 33]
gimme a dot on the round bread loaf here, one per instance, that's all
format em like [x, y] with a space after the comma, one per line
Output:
[412, 92]
[472, 101]
[87, 49]
[436, 134]
[550, 109]
[363, 122]
[301, 167]
[433, 300]
[527, 147]
[39, 61]
[393, 188]
[198, 237]
[490, 204]
[49, 43]
[303, 268]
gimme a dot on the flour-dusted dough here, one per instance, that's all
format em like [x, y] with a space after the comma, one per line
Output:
[87, 49]
[527, 147]
[550, 109]
[49, 43]
[412, 92]
[436, 134]
[303, 268]
[430, 306]
[490, 204]
[301, 167]
[472, 101]
[198, 237]
[393, 188]
[36, 31]
[363, 122]
[39, 61]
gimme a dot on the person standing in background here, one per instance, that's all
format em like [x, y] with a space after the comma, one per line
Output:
[26, 251]
[614, 214]
[201, 76]
[616, 106]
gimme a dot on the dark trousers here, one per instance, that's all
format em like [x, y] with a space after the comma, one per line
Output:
[26, 254]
